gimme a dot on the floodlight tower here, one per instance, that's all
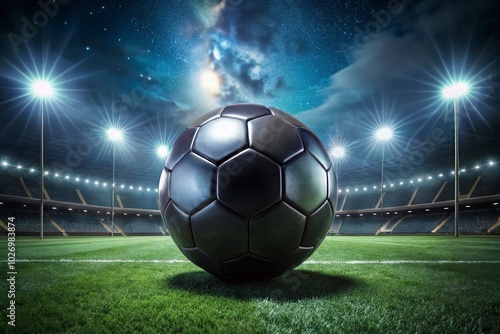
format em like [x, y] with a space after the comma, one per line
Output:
[41, 89]
[115, 135]
[455, 91]
[383, 135]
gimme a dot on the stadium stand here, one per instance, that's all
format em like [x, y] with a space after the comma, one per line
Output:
[427, 193]
[449, 190]
[96, 196]
[357, 212]
[489, 184]
[11, 185]
[78, 223]
[472, 221]
[360, 225]
[147, 201]
[361, 200]
[60, 191]
[133, 225]
[419, 223]
[33, 186]
[398, 197]
[27, 219]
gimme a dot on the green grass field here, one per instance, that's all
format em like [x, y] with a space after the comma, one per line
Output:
[350, 285]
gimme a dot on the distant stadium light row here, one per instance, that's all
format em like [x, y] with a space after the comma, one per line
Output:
[419, 179]
[346, 189]
[77, 179]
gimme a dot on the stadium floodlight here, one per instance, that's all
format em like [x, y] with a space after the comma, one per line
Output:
[41, 89]
[162, 151]
[115, 135]
[383, 135]
[455, 91]
[5, 163]
[338, 152]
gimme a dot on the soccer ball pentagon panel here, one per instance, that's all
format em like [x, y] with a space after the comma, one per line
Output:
[248, 192]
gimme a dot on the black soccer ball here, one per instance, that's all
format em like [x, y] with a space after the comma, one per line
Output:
[248, 192]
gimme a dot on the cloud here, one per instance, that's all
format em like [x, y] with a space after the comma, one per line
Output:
[413, 48]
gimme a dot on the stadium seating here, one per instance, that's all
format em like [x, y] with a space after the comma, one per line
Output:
[60, 190]
[427, 192]
[139, 225]
[398, 197]
[472, 221]
[488, 185]
[77, 222]
[96, 196]
[33, 186]
[27, 219]
[11, 185]
[360, 225]
[146, 201]
[419, 223]
[357, 200]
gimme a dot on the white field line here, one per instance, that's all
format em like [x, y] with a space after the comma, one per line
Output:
[403, 262]
[306, 262]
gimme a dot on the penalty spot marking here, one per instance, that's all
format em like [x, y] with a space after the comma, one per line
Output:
[306, 262]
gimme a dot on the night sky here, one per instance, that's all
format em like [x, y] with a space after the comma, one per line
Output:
[344, 68]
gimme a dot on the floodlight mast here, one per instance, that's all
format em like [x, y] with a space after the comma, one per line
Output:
[454, 92]
[383, 134]
[41, 169]
[113, 193]
[41, 89]
[114, 135]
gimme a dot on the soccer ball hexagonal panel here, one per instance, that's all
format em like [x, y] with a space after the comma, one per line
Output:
[221, 233]
[181, 147]
[274, 137]
[289, 262]
[202, 260]
[164, 188]
[178, 226]
[249, 183]
[276, 232]
[314, 146]
[332, 188]
[220, 138]
[192, 183]
[305, 183]
[245, 111]
[317, 225]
